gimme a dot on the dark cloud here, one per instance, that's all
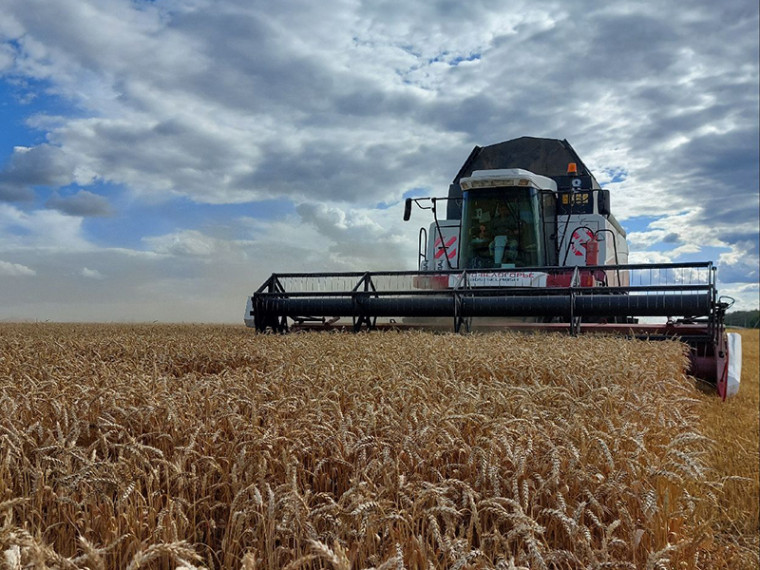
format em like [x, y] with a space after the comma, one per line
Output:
[718, 174]
[367, 172]
[13, 193]
[741, 271]
[751, 240]
[83, 203]
[250, 64]
[43, 165]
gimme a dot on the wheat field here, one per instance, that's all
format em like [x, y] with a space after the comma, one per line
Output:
[212, 447]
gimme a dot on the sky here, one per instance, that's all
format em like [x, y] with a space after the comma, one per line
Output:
[160, 159]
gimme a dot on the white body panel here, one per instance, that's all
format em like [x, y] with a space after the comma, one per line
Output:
[574, 232]
[247, 318]
[734, 364]
[442, 247]
[572, 238]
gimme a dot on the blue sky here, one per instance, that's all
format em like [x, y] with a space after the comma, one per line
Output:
[158, 160]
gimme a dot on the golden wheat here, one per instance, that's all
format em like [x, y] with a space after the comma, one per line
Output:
[200, 446]
[734, 425]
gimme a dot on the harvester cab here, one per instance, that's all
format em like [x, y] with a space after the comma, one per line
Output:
[528, 241]
[513, 218]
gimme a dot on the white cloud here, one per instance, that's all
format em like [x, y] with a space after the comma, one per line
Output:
[40, 229]
[186, 243]
[15, 269]
[649, 257]
[92, 273]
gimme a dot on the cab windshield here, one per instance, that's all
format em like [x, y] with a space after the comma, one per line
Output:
[501, 228]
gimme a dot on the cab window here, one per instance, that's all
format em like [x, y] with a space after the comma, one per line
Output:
[501, 229]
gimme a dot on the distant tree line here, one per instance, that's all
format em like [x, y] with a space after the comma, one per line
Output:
[749, 319]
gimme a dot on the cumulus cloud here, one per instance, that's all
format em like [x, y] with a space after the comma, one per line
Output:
[650, 257]
[187, 243]
[373, 240]
[15, 269]
[43, 165]
[92, 273]
[740, 264]
[83, 203]
[40, 229]
[14, 193]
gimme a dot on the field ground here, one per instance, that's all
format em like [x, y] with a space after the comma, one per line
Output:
[212, 447]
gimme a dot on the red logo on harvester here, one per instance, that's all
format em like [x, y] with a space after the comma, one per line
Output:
[439, 249]
[580, 237]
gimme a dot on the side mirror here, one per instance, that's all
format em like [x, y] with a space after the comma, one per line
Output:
[603, 202]
[407, 209]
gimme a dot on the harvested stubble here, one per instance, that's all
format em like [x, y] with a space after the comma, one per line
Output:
[159, 446]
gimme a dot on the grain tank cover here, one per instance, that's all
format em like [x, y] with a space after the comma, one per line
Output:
[546, 157]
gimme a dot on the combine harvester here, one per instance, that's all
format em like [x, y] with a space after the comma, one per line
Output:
[528, 242]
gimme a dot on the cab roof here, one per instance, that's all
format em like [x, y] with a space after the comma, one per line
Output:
[507, 177]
